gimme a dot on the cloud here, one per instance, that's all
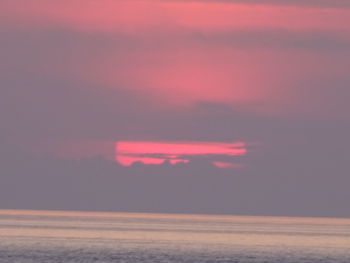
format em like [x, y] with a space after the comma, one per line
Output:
[76, 79]
[281, 39]
[255, 62]
[143, 17]
[156, 152]
[294, 176]
[304, 3]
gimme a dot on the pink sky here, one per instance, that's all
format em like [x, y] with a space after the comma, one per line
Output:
[284, 60]
[177, 52]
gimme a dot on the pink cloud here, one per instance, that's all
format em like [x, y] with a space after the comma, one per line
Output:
[176, 53]
[128, 152]
[140, 16]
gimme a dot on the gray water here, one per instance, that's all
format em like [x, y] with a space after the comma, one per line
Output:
[38, 236]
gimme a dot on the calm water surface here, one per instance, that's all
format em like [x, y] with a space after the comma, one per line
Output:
[38, 236]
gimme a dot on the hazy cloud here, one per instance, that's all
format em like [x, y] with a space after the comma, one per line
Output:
[72, 86]
[303, 3]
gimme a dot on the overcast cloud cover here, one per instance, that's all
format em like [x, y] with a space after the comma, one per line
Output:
[81, 74]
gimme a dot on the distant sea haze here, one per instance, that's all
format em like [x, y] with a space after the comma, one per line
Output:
[57, 236]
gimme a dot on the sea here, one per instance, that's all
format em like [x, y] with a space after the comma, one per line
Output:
[67, 237]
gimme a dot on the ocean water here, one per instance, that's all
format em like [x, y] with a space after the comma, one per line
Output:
[40, 236]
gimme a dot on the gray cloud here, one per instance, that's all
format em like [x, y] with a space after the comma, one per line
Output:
[283, 39]
[41, 97]
[301, 167]
[298, 173]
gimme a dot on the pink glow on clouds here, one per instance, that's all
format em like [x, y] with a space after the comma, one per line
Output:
[128, 152]
[190, 74]
[166, 60]
[224, 165]
[129, 160]
[136, 16]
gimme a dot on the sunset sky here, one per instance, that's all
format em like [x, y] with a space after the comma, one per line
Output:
[255, 86]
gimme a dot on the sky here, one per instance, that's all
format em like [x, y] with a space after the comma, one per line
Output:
[246, 101]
